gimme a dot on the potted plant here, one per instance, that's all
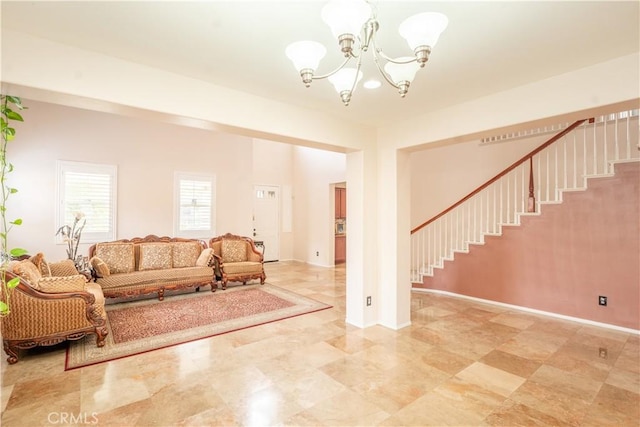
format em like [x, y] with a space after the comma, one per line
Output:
[8, 106]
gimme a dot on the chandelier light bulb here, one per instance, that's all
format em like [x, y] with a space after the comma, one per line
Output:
[344, 79]
[423, 29]
[346, 16]
[305, 54]
[402, 74]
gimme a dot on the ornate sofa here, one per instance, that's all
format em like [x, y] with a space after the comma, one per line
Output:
[151, 264]
[237, 259]
[49, 308]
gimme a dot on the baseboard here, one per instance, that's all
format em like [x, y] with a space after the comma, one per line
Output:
[532, 310]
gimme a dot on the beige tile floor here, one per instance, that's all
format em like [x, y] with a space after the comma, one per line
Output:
[460, 363]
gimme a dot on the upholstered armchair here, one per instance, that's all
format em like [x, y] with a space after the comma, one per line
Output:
[237, 259]
[48, 309]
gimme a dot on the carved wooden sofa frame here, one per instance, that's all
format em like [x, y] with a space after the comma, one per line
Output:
[160, 285]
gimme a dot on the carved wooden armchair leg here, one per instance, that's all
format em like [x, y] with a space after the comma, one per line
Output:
[11, 351]
[101, 334]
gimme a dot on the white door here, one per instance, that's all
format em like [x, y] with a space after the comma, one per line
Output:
[266, 215]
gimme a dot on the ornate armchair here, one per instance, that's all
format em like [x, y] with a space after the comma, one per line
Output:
[47, 310]
[237, 259]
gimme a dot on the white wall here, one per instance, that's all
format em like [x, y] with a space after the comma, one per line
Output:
[273, 165]
[442, 175]
[147, 154]
[31, 63]
[314, 221]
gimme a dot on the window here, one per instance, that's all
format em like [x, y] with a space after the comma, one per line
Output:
[195, 202]
[88, 188]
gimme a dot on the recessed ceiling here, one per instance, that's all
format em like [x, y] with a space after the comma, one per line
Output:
[488, 47]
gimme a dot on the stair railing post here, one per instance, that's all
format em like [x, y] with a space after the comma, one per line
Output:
[531, 204]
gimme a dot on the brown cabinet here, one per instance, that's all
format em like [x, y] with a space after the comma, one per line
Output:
[341, 202]
[341, 249]
[341, 216]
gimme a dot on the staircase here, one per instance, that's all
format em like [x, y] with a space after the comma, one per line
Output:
[585, 149]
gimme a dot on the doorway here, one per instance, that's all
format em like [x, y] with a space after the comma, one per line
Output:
[266, 216]
[340, 229]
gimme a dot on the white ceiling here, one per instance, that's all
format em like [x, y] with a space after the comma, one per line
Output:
[488, 46]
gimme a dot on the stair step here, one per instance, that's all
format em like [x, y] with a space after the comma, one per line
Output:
[572, 190]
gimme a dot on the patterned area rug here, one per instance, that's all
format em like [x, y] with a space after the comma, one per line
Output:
[139, 326]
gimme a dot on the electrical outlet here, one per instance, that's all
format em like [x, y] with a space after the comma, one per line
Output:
[602, 300]
[603, 353]
[368, 301]
[317, 253]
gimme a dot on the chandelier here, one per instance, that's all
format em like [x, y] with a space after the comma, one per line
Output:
[355, 25]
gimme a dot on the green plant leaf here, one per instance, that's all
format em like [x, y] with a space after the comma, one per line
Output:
[10, 167]
[16, 101]
[16, 222]
[8, 133]
[13, 282]
[12, 115]
[17, 252]
[3, 235]
[4, 308]
[13, 190]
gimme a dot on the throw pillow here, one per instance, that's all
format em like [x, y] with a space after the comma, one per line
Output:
[234, 251]
[41, 263]
[118, 256]
[185, 254]
[155, 256]
[63, 268]
[29, 272]
[100, 267]
[205, 258]
[62, 284]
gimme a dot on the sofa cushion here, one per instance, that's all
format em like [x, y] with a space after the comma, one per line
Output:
[155, 256]
[149, 277]
[62, 284]
[29, 272]
[100, 267]
[245, 267]
[234, 250]
[185, 254]
[118, 256]
[204, 259]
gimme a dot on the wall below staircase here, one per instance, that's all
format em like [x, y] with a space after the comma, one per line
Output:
[563, 259]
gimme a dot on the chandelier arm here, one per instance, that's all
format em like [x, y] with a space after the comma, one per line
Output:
[386, 58]
[340, 67]
[376, 60]
[355, 79]
[384, 74]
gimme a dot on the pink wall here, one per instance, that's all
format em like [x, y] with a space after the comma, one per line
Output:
[562, 260]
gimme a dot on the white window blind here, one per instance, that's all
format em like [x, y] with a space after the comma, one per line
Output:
[195, 205]
[89, 189]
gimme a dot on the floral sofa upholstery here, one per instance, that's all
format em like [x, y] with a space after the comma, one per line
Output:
[237, 259]
[51, 303]
[151, 264]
